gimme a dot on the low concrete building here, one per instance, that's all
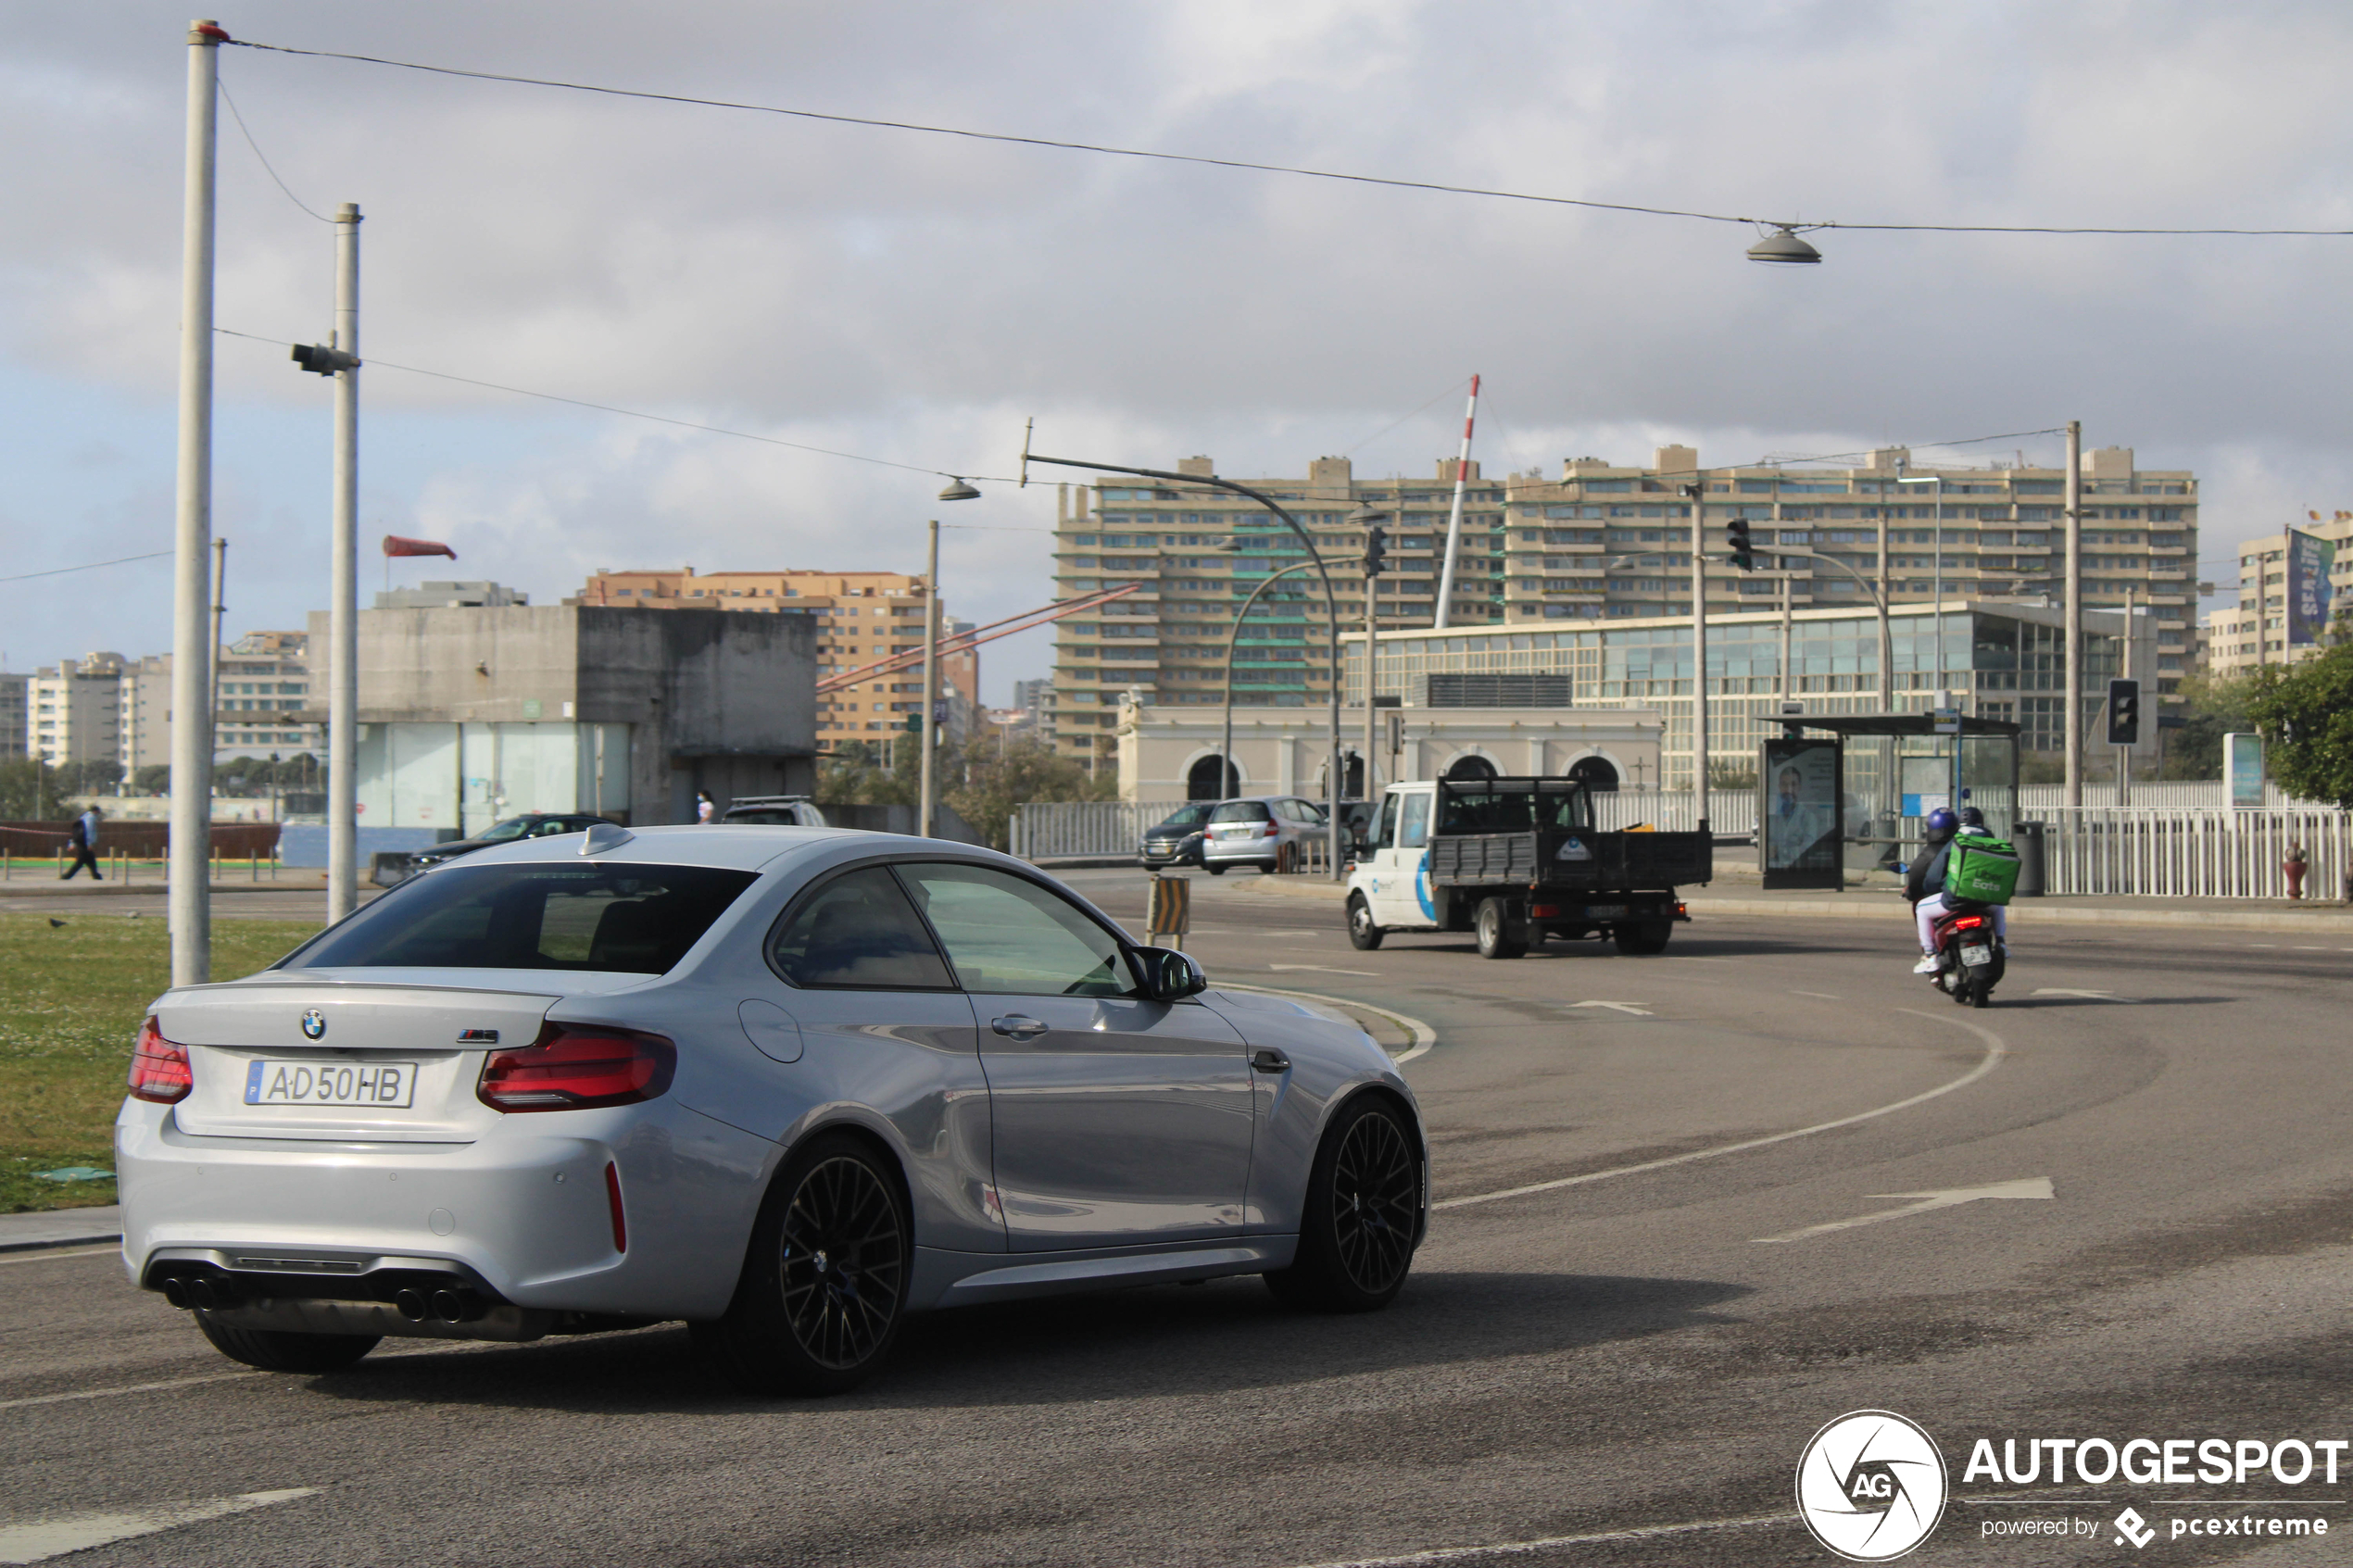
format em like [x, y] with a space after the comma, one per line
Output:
[1172, 753]
[471, 713]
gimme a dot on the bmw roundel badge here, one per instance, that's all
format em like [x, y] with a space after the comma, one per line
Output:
[314, 1024]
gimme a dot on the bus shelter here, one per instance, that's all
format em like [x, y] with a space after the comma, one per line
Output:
[1846, 792]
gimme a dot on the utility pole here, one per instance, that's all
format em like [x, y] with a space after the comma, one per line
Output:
[1887, 492]
[1697, 491]
[190, 903]
[2073, 615]
[219, 611]
[1373, 566]
[2124, 753]
[343, 610]
[929, 733]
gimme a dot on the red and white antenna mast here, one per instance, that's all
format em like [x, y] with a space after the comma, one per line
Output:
[1455, 516]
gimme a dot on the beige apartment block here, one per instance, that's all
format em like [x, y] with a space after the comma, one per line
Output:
[1168, 639]
[15, 697]
[861, 617]
[2236, 638]
[73, 712]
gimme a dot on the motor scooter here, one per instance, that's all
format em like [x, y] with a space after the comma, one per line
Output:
[1973, 955]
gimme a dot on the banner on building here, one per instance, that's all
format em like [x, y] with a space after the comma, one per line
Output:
[2310, 558]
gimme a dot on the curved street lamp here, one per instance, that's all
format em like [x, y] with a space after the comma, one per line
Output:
[1783, 246]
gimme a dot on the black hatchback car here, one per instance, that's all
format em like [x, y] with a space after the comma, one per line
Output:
[530, 824]
[1165, 844]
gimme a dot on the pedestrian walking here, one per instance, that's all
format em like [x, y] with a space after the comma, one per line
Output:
[83, 839]
[703, 807]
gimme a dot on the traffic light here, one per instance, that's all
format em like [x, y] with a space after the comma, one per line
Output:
[2123, 712]
[1743, 548]
[1375, 550]
[324, 361]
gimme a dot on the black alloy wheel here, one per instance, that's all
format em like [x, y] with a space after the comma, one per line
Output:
[1363, 1218]
[825, 1280]
[1363, 935]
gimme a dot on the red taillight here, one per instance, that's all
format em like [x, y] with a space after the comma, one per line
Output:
[612, 1196]
[158, 1067]
[575, 1067]
[1969, 923]
[1544, 911]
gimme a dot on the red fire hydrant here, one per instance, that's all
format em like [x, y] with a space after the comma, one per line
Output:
[2294, 866]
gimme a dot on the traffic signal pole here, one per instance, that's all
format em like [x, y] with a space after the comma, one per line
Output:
[1697, 491]
[342, 608]
[1375, 550]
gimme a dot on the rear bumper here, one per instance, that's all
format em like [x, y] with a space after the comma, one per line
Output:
[524, 1216]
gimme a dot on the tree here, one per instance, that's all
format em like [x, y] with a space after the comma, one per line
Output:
[27, 790]
[2306, 714]
[988, 786]
[2215, 706]
[152, 779]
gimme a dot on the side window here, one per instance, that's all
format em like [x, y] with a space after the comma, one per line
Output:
[1005, 934]
[1288, 810]
[1388, 839]
[1413, 830]
[858, 931]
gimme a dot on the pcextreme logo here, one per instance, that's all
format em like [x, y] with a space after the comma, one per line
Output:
[1871, 1485]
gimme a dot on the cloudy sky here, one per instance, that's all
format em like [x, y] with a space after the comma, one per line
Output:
[915, 298]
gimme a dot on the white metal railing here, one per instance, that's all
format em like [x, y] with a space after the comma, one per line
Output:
[1048, 829]
[2169, 794]
[1672, 810]
[2192, 854]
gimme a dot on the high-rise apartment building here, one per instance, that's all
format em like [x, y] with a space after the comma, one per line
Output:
[861, 617]
[2232, 643]
[1599, 542]
[1199, 552]
[74, 712]
[14, 692]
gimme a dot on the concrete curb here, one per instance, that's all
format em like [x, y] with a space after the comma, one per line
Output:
[77, 889]
[61, 1227]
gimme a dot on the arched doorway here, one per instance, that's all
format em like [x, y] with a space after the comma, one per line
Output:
[1203, 780]
[1470, 766]
[1596, 773]
[1352, 774]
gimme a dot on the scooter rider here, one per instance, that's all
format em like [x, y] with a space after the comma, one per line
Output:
[1924, 881]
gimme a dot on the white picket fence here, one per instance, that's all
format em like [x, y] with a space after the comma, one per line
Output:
[1672, 810]
[2159, 853]
[2169, 795]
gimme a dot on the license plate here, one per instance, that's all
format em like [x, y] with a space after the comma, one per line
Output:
[1977, 955]
[1604, 912]
[389, 1084]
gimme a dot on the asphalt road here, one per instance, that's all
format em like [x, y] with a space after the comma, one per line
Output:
[1626, 1362]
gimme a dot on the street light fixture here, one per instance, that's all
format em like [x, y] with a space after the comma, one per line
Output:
[958, 490]
[1315, 558]
[1783, 246]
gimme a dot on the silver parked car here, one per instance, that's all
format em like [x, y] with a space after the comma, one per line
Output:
[789, 1084]
[1266, 831]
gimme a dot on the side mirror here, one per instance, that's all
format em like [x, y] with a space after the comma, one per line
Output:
[1168, 975]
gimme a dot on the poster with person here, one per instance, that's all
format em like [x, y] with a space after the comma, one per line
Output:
[1798, 825]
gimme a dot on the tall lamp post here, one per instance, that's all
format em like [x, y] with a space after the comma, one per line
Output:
[1231, 782]
[1315, 558]
[926, 798]
[1936, 621]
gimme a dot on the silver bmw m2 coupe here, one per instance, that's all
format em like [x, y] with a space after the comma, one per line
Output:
[789, 1084]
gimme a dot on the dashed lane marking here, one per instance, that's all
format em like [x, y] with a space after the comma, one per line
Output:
[127, 1388]
[1629, 1008]
[1823, 995]
[1995, 1049]
[37, 1540]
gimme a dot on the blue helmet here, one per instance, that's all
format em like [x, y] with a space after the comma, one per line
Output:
[1942, 823]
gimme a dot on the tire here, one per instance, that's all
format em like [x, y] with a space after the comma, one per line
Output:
[1363, 935]
[1362, 1218]
[825, 1282]
[275, 1349]
[1495, 938]
[1286, 856]
[1641, 940]
[1215, 868]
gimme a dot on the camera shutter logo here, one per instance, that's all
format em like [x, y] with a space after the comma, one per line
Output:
[314, 1024]
[1871, 1485]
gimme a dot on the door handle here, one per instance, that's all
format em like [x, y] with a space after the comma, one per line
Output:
[1269, 1060]
[1015, 1026]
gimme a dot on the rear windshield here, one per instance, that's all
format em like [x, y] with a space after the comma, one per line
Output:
[633, 920]
[1240, 811]
[1189, 815]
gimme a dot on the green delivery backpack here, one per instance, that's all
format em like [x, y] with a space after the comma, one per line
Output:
[1981, 869]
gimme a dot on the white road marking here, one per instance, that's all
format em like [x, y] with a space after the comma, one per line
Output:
[42, 1255]
[1994, 1051]
[1626, 1008]
[2302, 949]
[129, 1388]
[1550, 1543]
[1824, 994]
[2087, 995]
[1326, 969]
[1922, 1202]
[40, 1539]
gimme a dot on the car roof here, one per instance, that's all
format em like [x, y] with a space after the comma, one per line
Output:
[750, 846]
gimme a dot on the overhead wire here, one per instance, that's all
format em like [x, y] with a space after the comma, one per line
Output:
[237, 115]
[87, 566]
[1257, 167]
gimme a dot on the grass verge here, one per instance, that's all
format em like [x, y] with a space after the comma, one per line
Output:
[71, 999]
